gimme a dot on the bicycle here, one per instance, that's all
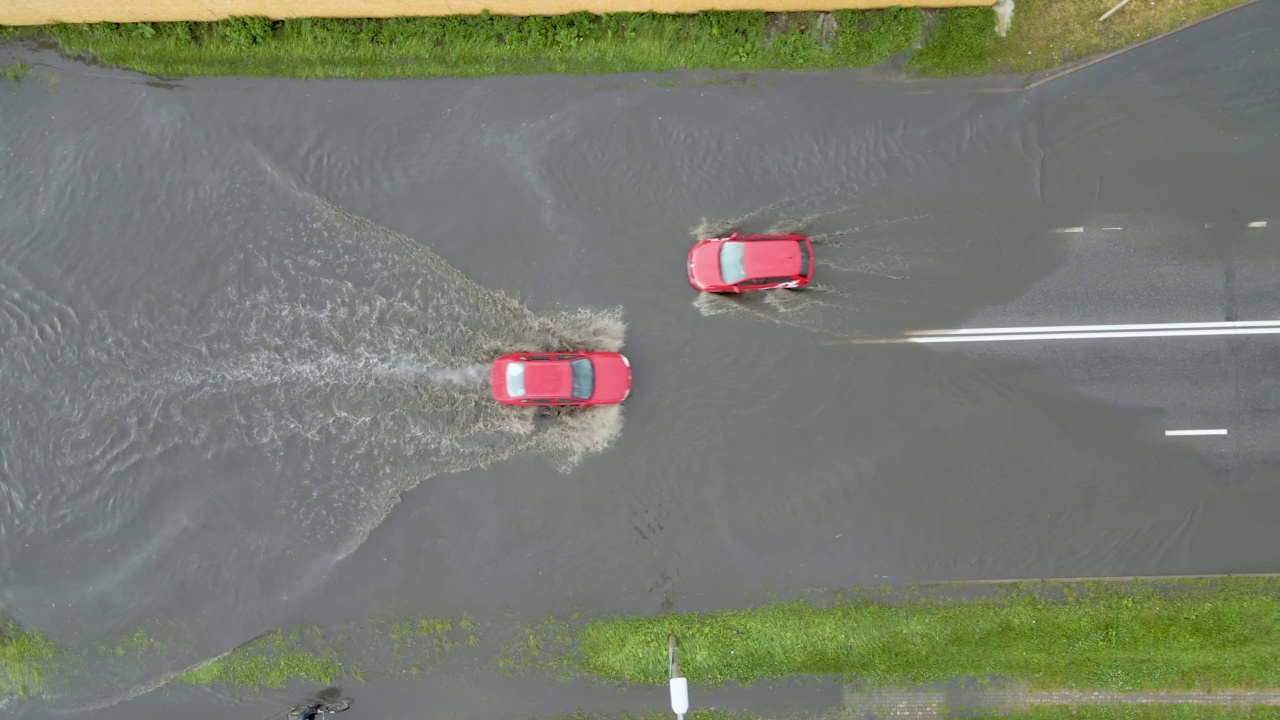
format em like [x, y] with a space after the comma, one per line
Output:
[315, 711]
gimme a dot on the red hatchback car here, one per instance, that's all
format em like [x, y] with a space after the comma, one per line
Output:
[741, 263]
[567, 379]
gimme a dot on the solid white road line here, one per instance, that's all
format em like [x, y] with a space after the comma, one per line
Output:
[926, 339]
[1260, 223]
[1219, 431]
[1079, 332]
[1101, 328]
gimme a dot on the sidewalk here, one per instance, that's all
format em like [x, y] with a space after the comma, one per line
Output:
[940, 701]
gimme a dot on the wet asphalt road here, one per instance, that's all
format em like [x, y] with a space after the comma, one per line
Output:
[206, 348]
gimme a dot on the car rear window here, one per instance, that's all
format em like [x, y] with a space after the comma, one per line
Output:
[584, 378]
[515, 379]
[806, 268]
[732, 269]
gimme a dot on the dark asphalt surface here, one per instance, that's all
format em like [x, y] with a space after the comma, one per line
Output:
[242, 319]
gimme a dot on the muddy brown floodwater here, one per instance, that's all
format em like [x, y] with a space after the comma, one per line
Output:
[245, 324]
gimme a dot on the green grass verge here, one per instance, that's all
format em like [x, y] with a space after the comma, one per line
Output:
[14, 72]
[1208, 634]
[318, 655]
[272, 660]
[490, 44]
[30, 664]
[1047, 33]
[23, 656]
[1205, 634]
[543, 646]
[961, 45]
[962, 41]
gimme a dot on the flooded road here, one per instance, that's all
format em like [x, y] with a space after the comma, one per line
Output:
[245, 325]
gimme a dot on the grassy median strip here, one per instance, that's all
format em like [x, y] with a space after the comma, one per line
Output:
[1136, 636]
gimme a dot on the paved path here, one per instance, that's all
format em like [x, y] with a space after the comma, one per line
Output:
[946, 701]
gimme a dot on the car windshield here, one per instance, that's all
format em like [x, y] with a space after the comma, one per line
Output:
[732, 270]
[584, 378]
[515, 379]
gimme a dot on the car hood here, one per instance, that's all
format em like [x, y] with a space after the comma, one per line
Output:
[704, 265]
[613, 378]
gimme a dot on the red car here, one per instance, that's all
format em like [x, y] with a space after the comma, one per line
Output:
[567, 379]
[741, 263]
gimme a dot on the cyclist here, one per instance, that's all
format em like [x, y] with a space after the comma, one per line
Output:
[316, 710]
[305, 712]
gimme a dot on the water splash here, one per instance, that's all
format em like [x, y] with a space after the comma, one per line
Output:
[411, 370]
[227, 452]
[877, 266]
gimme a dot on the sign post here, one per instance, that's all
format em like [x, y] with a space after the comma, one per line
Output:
[679, 685]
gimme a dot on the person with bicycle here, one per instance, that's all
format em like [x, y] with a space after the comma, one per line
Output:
[317, 710]
[305, 712]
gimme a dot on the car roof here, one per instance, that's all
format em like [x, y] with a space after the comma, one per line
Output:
[771, 258]
[551, 378]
